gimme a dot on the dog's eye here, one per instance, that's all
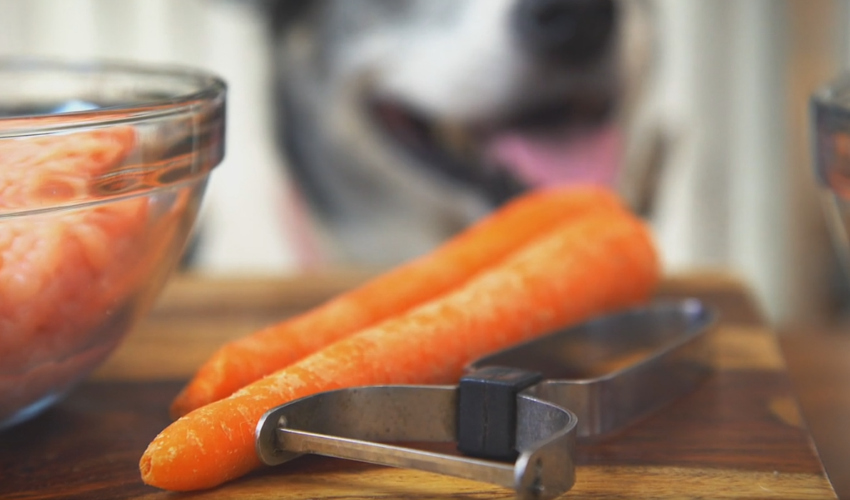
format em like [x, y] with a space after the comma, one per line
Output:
[570, 31]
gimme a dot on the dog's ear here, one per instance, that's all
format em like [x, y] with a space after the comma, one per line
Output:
[282, 13]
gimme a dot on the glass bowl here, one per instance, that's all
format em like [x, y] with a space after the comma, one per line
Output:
[102, 169]
[830, 139]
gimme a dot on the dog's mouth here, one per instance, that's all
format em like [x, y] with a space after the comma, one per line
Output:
[568, 141]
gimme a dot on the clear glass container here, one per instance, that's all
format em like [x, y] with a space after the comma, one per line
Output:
[102, 170]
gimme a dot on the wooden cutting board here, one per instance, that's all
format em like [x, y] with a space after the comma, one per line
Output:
[739, 435]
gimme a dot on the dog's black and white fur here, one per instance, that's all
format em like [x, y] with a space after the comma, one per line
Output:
[405, 120]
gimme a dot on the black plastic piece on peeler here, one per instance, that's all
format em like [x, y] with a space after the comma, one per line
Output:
[487, 411]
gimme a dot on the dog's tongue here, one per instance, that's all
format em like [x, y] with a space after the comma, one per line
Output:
[591, 158]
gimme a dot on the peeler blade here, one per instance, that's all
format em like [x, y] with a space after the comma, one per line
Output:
[367, 423]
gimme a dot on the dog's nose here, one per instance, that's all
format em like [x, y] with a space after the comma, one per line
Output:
[570, 31]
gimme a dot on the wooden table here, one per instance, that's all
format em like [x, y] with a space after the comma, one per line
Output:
[818, 358]
[739, 435]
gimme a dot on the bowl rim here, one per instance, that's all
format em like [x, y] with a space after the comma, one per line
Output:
[833, 92]
[209, 88]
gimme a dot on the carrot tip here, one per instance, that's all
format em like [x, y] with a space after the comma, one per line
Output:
[179, 406]
[145, 468]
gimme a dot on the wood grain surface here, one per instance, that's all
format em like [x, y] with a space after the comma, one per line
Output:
[818, 359]
[739, 435]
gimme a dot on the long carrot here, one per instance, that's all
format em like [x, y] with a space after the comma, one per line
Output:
[247, 359]
[599, 263]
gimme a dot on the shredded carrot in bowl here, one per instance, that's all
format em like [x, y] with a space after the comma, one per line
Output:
[71, 277]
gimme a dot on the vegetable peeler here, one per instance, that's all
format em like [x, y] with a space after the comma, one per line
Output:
[515, 415]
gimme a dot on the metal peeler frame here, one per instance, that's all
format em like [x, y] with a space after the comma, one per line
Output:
[526, 405]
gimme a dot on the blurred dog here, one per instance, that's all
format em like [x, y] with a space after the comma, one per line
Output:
[405, 120]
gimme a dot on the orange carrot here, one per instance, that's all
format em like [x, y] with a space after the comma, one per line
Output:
[599, 263]
[247, 359]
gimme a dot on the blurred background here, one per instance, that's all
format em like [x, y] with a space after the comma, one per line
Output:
[736, 194]
[733, 85]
